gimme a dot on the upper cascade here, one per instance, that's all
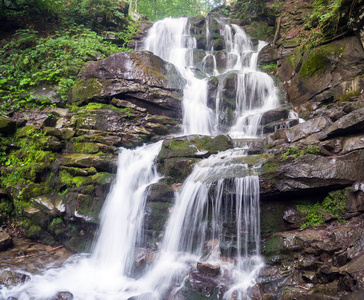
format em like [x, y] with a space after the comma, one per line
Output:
[225, 93]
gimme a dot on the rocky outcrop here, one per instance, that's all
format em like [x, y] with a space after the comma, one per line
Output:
[60, 162]
[139, 78]
[178, 155]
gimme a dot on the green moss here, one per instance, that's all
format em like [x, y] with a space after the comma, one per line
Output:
[87, 148]
[86, 89]
[333, 205]
[318, 60]
[76, 181]
[273, 246]
[97, 106]
[295, 151]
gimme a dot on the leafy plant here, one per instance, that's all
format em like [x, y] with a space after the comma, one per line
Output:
[28, 60]
[295, 151]
[333, 205]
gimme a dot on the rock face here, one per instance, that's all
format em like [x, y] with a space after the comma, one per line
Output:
[70, 161]
[137, 78]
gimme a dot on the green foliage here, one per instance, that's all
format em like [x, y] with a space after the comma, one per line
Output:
[272, 67]
[333, 206]
[295, 151]
[95, 14]
[28, 60]
[159, 9]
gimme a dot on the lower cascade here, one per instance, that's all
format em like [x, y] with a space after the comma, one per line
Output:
[198, 233]
[214, 226]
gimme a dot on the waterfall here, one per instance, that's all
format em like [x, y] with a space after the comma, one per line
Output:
[106, 274]
[170, 39]
[211, 202]
[255, 91]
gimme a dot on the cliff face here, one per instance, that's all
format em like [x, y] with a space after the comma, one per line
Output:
[58, 163]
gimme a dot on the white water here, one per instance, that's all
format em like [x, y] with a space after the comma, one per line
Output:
[256, 93]
[104, 275]
[198, 220]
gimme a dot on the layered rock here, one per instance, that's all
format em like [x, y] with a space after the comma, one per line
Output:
[123, 101]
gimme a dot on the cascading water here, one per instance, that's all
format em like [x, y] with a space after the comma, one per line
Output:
[105, 275]
[212, 196]
[170, 39]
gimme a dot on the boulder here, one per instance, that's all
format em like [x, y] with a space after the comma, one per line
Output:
[311, 172]
[320, 77]
[208, 269]
[63, 296]
[350, 124]
[11, 278]
[7, 126]
[6, 241]
[307, 128]
[274, 115]
[143, 66]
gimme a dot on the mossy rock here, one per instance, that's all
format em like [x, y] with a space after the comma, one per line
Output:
[78, 244]
[160, 192]
[178, 168]
[86, 90]
[50, 143]
[7, 126]
[191, 146]
[26, 131]
[57, 227]
[158, 213]
[273, 246]
[86, 148]
[317, 61]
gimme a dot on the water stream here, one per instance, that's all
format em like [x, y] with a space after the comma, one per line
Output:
[210, 203]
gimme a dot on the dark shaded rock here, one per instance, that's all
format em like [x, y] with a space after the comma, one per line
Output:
[7, 126]
[274, 126]
[294, 217]
[274, 115]
[63, 296]
[143, 67]
[160, 192]
[208, 269]
[11, 278]
[6, 241]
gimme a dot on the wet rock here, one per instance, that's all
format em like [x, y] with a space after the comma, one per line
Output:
[63, 296]
[139, 66]
[11, 278]
[6, 241]
[311, 172]
[294, 217]
[102, 163]
[274, 115]
[208, 269]
[274, 126]
[350, 124]
[307, 128]
[160, 192]
[204, 286]
[353, 143]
